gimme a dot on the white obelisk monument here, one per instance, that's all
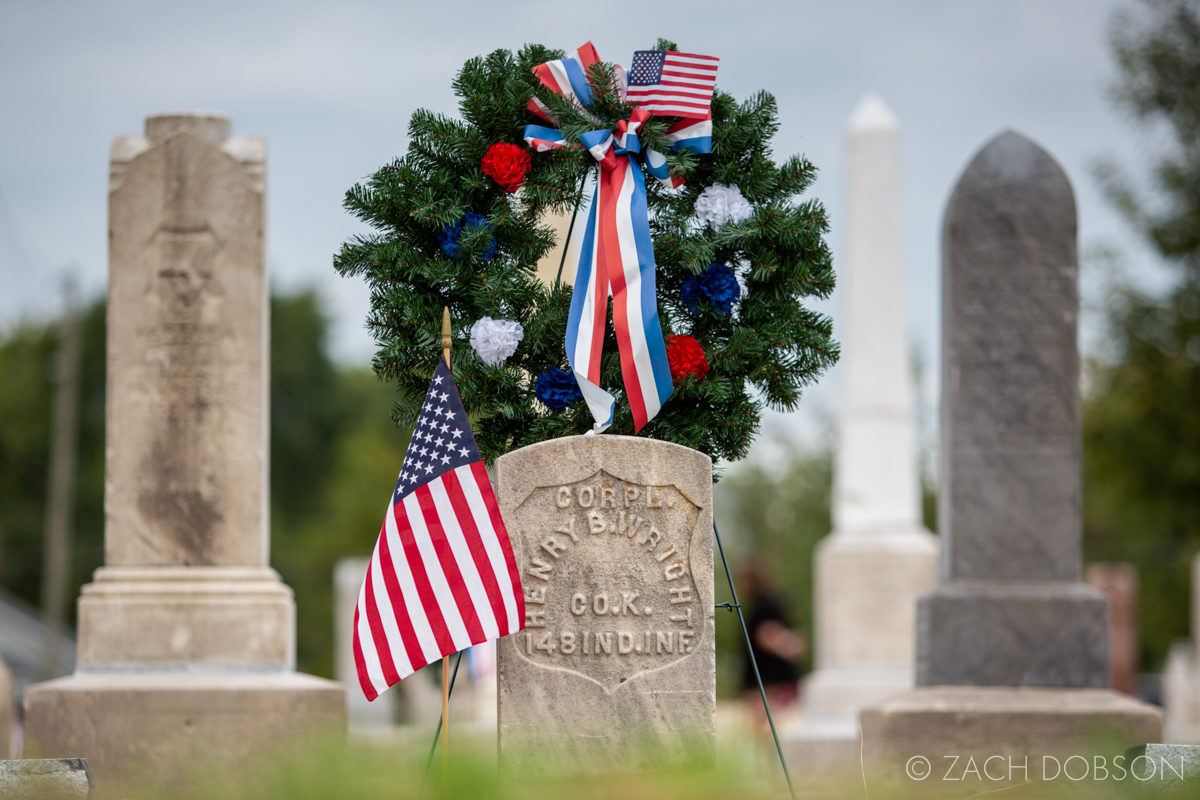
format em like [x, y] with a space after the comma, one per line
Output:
[879, 558]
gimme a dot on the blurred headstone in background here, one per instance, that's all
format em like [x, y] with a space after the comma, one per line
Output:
[186, 637]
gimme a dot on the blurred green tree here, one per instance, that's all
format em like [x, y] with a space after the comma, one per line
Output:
[28, 354]
[1141, 429]
[774, 514]
[334, 458]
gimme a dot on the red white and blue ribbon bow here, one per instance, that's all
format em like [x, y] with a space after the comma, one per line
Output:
[617, 254]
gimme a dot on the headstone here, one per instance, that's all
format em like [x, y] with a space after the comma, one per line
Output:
[1159, 765]
[615, 669]
[416, 699]
[360, 713]
[879, 558]
[1181, 677]
[1011, 610]
[46, 779]
[186, 629]
[1011, 637]
[8, 715]
[1119, 584]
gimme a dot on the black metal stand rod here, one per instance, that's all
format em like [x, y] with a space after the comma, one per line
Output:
[736, 605]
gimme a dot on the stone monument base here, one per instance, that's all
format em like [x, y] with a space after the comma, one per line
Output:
[162, 726]
[1026, 633]
[230, 617]
[1018, 725]
[867, 585]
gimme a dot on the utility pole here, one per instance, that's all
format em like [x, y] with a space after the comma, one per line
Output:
[60, 499]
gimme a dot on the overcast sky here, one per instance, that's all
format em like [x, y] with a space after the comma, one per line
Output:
[331, 88]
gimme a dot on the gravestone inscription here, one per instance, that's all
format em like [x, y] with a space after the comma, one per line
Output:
[613, 536]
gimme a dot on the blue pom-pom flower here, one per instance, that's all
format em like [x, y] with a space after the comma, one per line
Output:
[721, 287]
[448, 238]
[691, 292]
[717, 284]
[557, 389]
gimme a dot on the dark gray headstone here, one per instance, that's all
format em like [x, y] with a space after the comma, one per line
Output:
[1010, 610]
[1010, 369]
[46, 779]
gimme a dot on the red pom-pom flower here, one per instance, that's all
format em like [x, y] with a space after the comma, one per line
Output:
[686, 357]
[506, 164]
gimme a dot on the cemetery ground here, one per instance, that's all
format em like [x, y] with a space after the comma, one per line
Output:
[364, 768]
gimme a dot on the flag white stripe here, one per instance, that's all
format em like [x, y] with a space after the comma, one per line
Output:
[680, 97]
[366, 642]
[462, 554]
[560, 77]
[408, 589]
[491, 544]
[633, 300]
[671, 73]
[433, 568]
[680, 59]
[387, 617]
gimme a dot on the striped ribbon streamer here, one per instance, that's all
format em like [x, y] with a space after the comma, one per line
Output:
[617, 253]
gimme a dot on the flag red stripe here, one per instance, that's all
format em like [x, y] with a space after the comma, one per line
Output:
[489, 500]
[458, 586]
[698, 80]
[429, 602]
[408, 635]
[706, 86]
[676, 53]
[360, 664]
[657, 94]
[483, 564]
[382, 648]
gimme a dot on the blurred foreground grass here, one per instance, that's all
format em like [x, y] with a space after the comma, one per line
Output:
[358, 769]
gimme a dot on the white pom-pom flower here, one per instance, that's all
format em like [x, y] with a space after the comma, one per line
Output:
[494, 340]
[719, 204]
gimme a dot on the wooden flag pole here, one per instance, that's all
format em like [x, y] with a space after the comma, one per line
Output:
[446, 342]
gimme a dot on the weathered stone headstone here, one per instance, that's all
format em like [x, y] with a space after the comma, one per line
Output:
[616, 666]
[1163, 765]
[1011, 612]
[879, 558]
[46, 779]
[186, 637]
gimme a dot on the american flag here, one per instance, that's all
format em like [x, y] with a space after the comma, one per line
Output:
[668, 83]
[443, 575]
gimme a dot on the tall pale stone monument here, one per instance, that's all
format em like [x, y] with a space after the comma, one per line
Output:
[1181, 676]
[186, 636]
[8, 710]
[879, 558]
[1012, 648]
[615, 668]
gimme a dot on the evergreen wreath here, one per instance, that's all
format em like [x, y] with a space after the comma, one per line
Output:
[762, 346]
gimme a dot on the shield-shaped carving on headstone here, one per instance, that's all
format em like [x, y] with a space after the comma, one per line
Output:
[609, 591]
